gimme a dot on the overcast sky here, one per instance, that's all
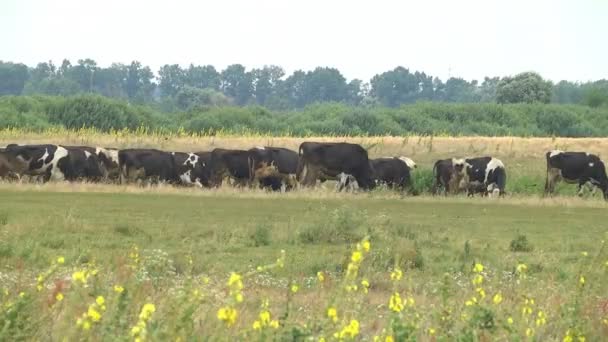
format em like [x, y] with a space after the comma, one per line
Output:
[560, 39]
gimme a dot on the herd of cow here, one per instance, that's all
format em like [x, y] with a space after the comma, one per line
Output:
[283, 169]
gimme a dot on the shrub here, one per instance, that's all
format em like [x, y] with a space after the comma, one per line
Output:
[520, 244]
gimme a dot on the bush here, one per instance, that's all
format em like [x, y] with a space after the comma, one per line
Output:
[520, 244]
[261, 236]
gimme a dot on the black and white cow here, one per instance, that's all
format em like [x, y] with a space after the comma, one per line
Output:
[232, 164]
[85, 164]
[52, 162]
[328, 160]
[395, 172]
[273, 162]
[107, 158]
[576, 167]
[449, 174]
[146, 164]
[192, 168]
[485, 175]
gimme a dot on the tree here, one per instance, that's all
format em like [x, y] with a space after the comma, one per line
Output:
[189, 98]
[325, 84]
[202, 77]
[83, 73]
[395, 87]
[460, 90]
[138, 82]
[293, 89]
[265, 82]
[487, 91]
[171, 79]
[237, 83]
[527, 87]
[12, 78]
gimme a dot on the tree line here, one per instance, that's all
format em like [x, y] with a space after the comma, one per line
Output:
[174, 88]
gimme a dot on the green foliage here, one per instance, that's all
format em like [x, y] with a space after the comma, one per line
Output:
[261, 236]
[521, 244]
[208, 112]
[527, 87]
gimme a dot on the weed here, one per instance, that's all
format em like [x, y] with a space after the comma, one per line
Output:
[520, 244]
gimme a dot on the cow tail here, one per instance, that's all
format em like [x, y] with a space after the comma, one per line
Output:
[547, 185]
[251, 166]
[122, 166]
[435, 178]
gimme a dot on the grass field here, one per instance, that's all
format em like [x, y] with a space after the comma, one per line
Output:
[175, 249]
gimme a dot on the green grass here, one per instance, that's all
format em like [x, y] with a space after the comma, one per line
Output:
[236, 231]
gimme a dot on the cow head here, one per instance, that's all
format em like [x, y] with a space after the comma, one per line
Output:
[15, 160]
[409, 162]
[108, 160]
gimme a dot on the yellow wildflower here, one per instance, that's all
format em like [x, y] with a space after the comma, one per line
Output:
[238, 297]
[265, 317]
[366, 245]
[396, 274]
[529, 332]
[389, 338]
[395, 303]
[497, 298]
[118, 289]
[332, 313]
[478, 279]
[79, 276]
[86, 325]
[521, 268]
[294, 288]
[235, 281]
[584, 253]
[510, 320]
[59, 296]
[350, 331]
[257, 325]
[228, 315]
[541, 319]
[274, 324]
[365, 285]
[431, 331]
[93, 314]
[21, 294]
[100, 301]
[61, 260]
[320, 276]
[410, 301]
[356, 257]
[581, 280]
[146, 311]
[478, 268]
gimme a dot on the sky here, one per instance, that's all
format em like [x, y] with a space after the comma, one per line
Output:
[560, 39]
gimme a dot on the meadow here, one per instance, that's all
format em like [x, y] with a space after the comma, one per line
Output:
[108, 262]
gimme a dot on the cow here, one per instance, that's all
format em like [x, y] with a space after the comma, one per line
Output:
[146, 164]
[233, 164]
[192, 168]
[52, 162]
[273, 162]
[576, 167]
[449, 174]
[107, 159]
[485, 175]
[395, 172]
[10, 166]
[84, 163]
[328, 160]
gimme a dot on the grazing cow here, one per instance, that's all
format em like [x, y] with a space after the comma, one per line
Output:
[393, 171]
[449, 174]
[192, 168]
[50, 161]
[146, 164]
[11, 167]
[576, 167]
[328, 160]
[276, 162]
[107, 159]
[85, 164]
[233, 164]
[486, 175]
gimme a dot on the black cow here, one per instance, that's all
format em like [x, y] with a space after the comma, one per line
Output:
[146, 164]
[328, 160]
[85, 164]
[192, 168]
[52, 162]
[107, 158]
[273, 162]
[449, 174]
[485, 175]
[233, 164]
[576, 167]
[395, 172]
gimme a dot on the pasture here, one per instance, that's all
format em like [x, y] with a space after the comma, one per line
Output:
[437, 269]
